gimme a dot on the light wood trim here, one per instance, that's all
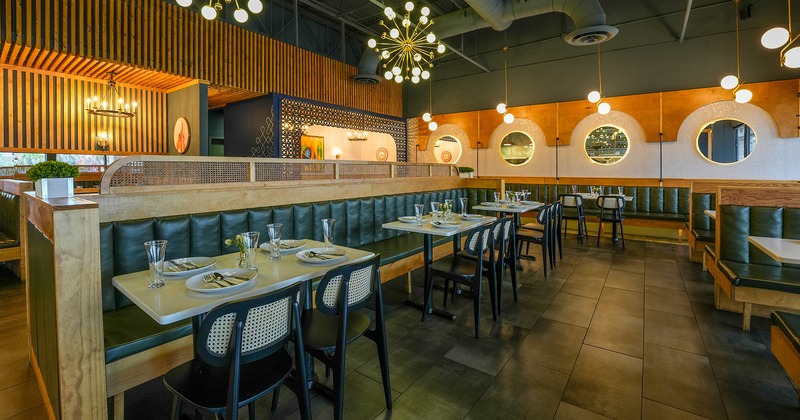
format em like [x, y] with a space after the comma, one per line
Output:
[37, 373]
[710, 186]
[152, 363]
[786, 353]
[752, 196]
[10, 254]
[623, 182]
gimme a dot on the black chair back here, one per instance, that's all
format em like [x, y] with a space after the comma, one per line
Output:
[354, 284]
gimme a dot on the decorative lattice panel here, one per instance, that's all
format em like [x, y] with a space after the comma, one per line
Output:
[296, 113]
[265, 144]
[442, 170]
[412, 171]
[365, 171]
[271, 171]
[179, 173]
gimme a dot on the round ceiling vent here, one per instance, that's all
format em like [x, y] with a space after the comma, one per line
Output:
[591, 35]
[367, 79]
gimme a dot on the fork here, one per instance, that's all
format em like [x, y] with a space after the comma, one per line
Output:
[216, 280]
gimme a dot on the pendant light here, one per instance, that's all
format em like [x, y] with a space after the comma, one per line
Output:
[781, 37]
[428, 116]
[596, 96]
[731, 82]
[502, 108]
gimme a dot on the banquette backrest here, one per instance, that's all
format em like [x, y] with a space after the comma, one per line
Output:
[358, 222]
[702, 201]
[9, 217]
[737, 222]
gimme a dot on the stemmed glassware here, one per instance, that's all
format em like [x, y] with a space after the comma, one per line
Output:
[464, 205]
[496, 198]
[327, 233]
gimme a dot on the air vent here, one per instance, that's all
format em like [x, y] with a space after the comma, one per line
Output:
[367, 79]
[591, 35]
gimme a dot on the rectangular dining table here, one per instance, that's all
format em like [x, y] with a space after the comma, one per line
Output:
[428, 231]
[516, 210]
[782, 250]
[711, 213]
[175, 302]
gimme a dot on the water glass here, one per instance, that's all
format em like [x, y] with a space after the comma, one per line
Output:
[156, 251]
[525, 194]
[327, 232]
[448, 209]
[496, 198]
[274, 231]
[250, 244]
[419, 209]
[620, 190]
[464, 205]
[574, 189]
[434, 211]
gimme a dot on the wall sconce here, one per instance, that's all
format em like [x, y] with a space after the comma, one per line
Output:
[102, 139]
[357, 135]
[337, 153]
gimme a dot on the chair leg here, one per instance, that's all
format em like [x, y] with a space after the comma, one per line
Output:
[599, 231]
[513, 268]
[251, 410]
[275, 395]
[545, 257]
[476, 304]
[176, 407]
[493, 293]
[338, 392]
[585, 229]
[622, 233]
[118, 402]
[446, 288]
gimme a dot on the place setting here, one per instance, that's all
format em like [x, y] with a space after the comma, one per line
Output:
[189, 266]
[326, 255]
[222, 281]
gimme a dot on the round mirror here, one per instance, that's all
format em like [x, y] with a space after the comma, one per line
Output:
[447, 149]
[726, 141]
[516, 148]
[606, 145]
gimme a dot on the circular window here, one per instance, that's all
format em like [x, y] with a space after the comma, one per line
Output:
[516, 148]
[606, 145]
[447, 149]
[726, 141]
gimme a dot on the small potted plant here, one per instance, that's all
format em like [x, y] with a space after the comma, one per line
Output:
[465, 171]
[53, 179]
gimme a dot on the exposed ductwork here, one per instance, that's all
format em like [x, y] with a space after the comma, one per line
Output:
[367, 67]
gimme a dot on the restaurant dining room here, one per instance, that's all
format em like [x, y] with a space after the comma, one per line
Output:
[373, 209]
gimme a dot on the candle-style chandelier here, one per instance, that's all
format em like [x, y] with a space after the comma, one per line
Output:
[407, 47]
[210, 10]
[111, 104]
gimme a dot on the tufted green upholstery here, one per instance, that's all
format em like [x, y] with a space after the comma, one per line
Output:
[700, 203]
[789, 324]
[745, 265]
[659, 203]
[129, 330]
[9, 220]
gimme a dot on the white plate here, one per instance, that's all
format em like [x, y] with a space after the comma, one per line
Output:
[197, 284]
[307, 256]
[471, 216]
[530, 203]
[407, 219]
[288, 246]
[445, 225]
[179, 266]
[489, 203]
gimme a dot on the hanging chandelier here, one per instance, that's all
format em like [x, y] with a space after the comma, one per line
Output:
[502, 108]
[731, 82]
[406, 47]
[210, 10]
[112, 104]
[781, 37]
[596, 96]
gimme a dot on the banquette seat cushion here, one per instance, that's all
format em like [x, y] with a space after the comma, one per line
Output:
[789, 324]
[9, 220]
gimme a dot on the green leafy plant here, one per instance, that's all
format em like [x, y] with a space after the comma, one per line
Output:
[236, 241]
[465, 169]
[52, 169]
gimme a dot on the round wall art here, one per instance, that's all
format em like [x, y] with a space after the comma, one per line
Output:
[181, 135]
[382, 154]
[446, 156]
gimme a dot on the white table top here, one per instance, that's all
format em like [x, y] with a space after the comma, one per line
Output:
[594, 196]
[782, 250]
[504, 208]
[711, 213]
[174, 302]
[428, 229]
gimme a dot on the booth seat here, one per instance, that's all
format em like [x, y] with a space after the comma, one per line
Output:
[785, 343]
[748, 275]
[9, 221]
[667, 206]
[701, 227]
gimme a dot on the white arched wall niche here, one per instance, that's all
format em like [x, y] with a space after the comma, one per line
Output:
[772, 158]
[336, 143]
[543, 160]
[640, 162]
[467, 154]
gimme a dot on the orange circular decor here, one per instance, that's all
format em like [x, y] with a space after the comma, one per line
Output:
[382, 154]
[446, 156]
[181, 135]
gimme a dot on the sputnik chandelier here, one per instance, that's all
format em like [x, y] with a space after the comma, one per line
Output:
[210, 10]
[731, 82]
[596, 96]
[111, 104]
[781, 37]
[406, 47]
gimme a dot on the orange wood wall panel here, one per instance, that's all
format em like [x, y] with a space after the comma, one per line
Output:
[644, 108]
[677, 105]
[546, 117]
[569, 115]
[779, 99]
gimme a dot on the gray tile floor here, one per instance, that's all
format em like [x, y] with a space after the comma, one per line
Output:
[611, 333]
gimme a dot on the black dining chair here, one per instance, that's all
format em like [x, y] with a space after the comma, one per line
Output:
[466, 268]
[241, 356]
[557, 214]
[573, 210]
[542, 237]
[611, 207]
[338, 319]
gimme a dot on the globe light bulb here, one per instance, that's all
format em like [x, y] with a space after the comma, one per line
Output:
[388, 75]
[398, 79]
[416, 71]
[743, 96]
[433, 126]
[423, 20]
[729, 82]
[508, 118]
[425, 11]
[208, 12]
[792, 58]
[501, 108]
[440, 49]
[372, 43]
[415, 79]
[184, 3]
[431, 37]
[389, 12]
[594, 97]
[775, 38]
[395, 70]
[385, 54]
[409, 6]
[427, 117]
[417, 57]
[425, 74]
[603, 108]
[240, 15]
[255, 6]
[394, 33]
[406, 23]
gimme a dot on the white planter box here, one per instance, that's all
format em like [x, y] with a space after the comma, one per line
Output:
[54, 188]
[466, 174]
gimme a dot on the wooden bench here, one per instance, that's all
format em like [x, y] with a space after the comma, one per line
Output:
[785, 343]
[12, 224]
